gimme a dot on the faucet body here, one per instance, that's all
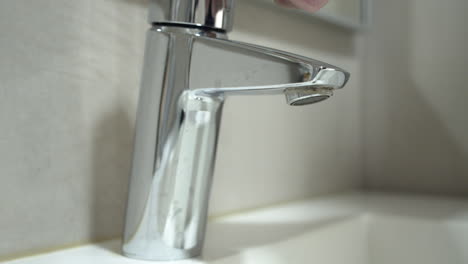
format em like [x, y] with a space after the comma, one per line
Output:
[179, 114]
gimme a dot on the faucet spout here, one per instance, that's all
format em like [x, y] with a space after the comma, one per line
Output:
[247, 69]
[188, 73]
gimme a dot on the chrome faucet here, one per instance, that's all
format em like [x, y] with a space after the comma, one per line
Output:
[190, 68]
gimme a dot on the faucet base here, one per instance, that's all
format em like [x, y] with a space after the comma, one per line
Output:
[164, 255]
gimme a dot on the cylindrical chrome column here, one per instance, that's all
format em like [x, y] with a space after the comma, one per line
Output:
[174, 152]
[176, 135]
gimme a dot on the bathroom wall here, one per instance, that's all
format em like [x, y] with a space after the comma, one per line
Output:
[69, 75]
[69, 72]
[415, 97]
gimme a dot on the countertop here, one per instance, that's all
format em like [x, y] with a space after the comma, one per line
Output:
[236, 234]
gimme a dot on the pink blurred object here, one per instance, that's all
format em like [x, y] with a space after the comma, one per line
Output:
[307, 5]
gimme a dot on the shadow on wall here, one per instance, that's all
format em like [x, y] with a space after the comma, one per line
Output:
[112, 153]
[111, 165]
[113, 136]
[411, 145]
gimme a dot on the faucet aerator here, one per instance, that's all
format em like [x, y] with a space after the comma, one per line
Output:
[305, 96]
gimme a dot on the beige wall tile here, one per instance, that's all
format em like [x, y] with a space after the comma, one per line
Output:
[415, 109]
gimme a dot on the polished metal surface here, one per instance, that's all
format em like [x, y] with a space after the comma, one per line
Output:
[214, 14]
[187, 75]
[307, 96]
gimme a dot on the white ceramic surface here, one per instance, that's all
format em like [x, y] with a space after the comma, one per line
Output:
[345, 229]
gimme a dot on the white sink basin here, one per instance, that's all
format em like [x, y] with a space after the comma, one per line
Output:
[346, 229]
[415, 240]
[369, 239]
